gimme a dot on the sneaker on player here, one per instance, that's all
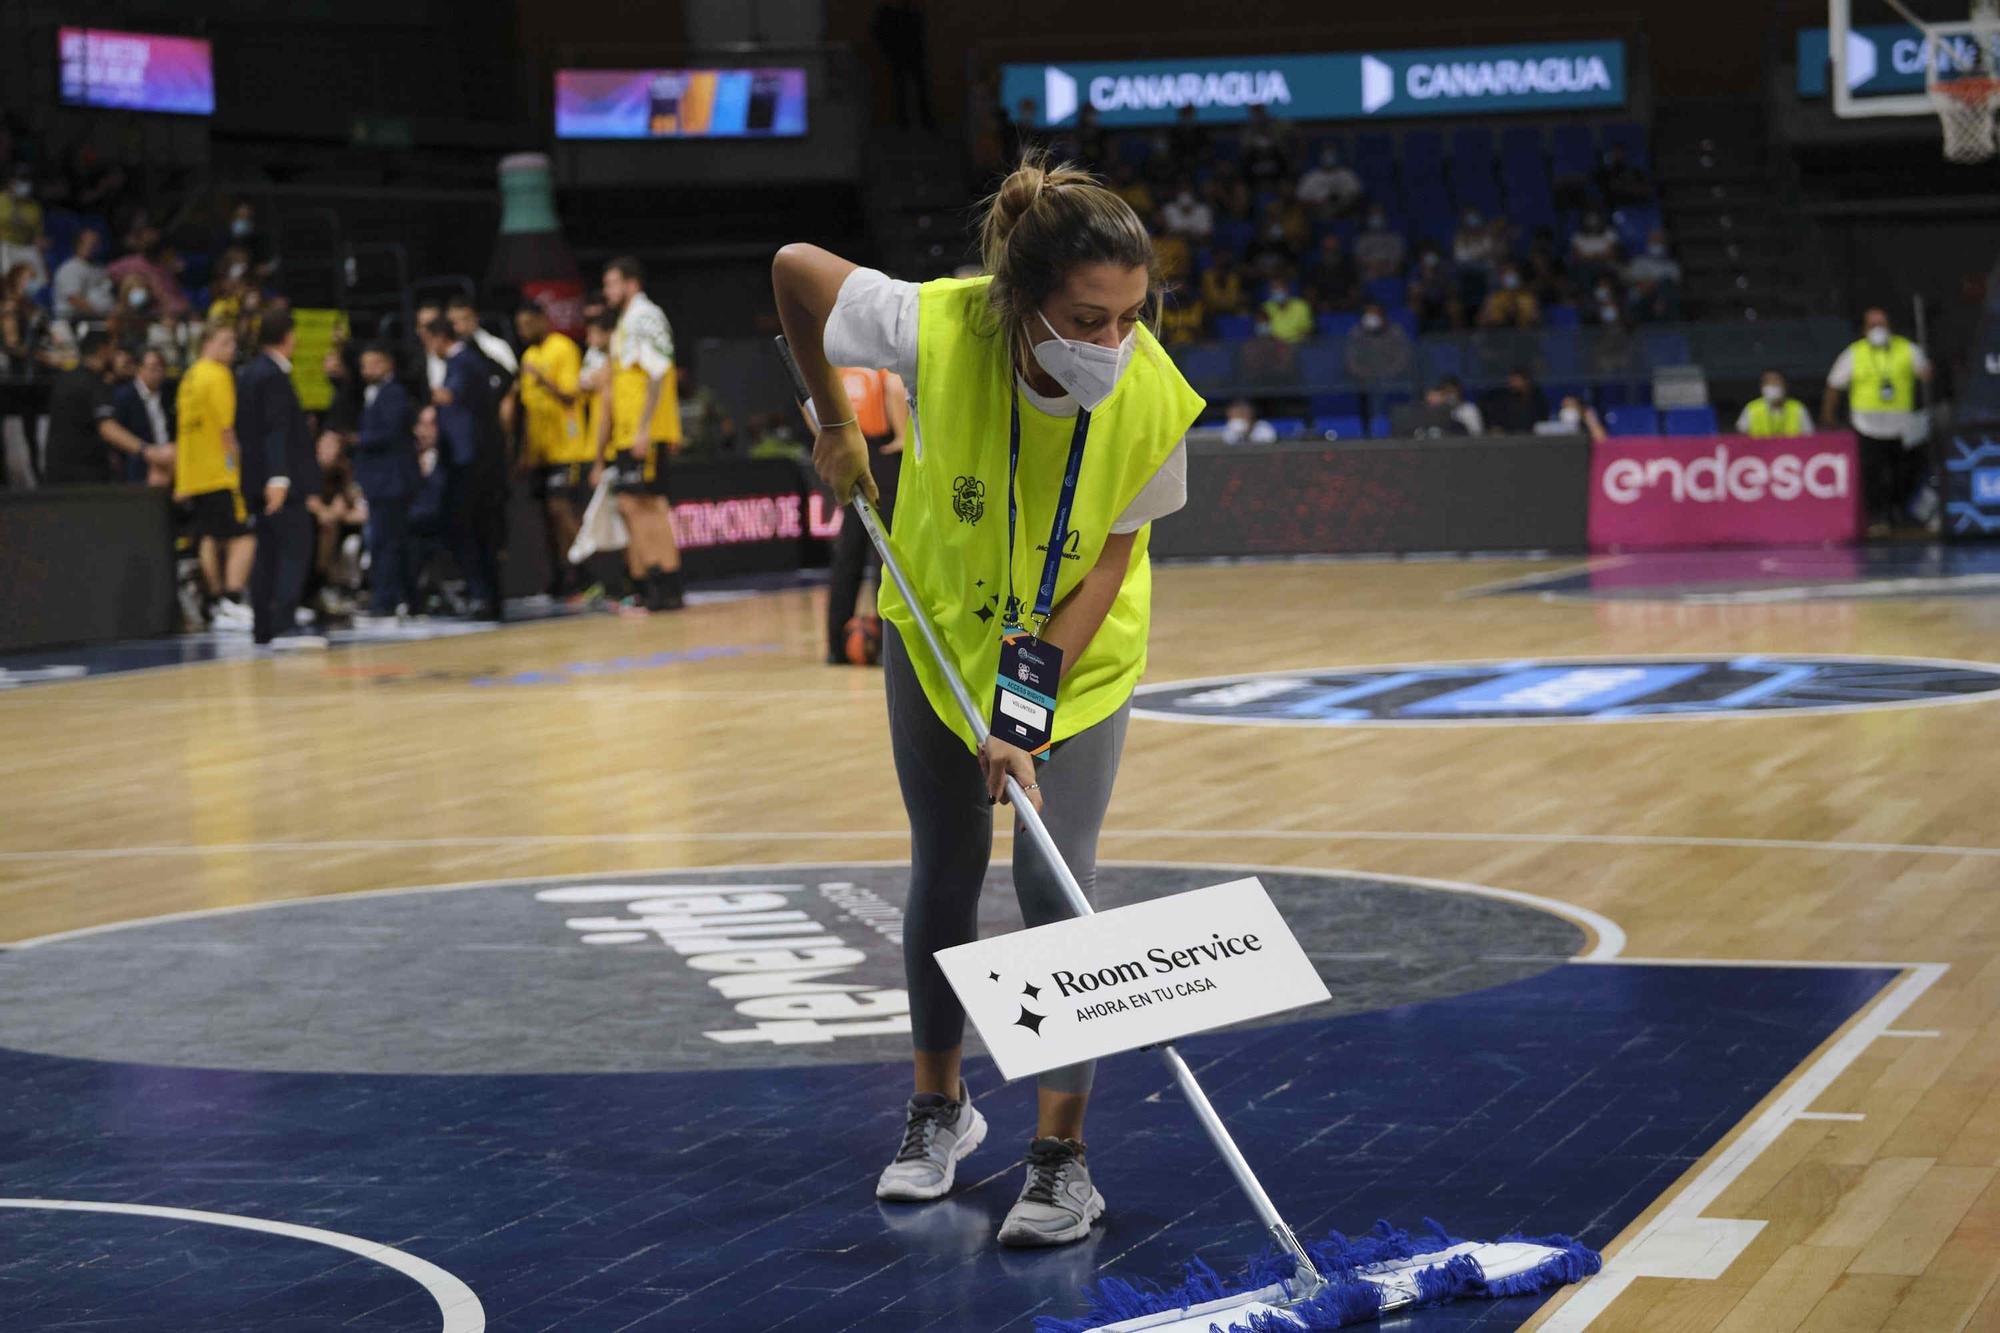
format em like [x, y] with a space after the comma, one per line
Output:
[937, 1132]
[232, 616]
[1058, 1203]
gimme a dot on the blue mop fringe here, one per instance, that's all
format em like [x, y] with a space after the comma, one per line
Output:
[1347, 1299]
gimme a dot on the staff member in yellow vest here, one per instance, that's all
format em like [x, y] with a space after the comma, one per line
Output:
[207, 479]
[1879, 374]
[638, 428]
[882, 413]
[1774, 412]
[1048, 434]
[555, 450]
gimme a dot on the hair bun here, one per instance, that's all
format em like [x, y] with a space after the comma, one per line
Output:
[1016, 196]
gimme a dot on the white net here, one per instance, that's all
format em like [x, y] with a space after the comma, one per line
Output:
[1962, 69]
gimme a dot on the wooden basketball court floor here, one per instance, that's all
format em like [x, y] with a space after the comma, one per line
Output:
[1852, 1184]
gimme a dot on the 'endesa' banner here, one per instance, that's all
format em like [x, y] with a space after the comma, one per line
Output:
[1724, 491]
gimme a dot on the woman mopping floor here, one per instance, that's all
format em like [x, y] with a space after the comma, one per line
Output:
[1048, 433]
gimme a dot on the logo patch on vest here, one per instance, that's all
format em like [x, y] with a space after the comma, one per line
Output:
[1072, 542]
[968, 499]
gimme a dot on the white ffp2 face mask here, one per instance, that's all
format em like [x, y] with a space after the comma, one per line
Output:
[1088, 372]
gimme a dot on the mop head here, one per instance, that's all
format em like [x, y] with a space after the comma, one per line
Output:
[1367, 1277]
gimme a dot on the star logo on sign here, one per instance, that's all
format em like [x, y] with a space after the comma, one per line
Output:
[1032, 991]
[993, 976]
[1030, 1020]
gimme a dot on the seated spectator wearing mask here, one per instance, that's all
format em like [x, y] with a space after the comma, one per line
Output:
[1593, 251]
[1330, 188]
[1434, 293]
[82, 287]
[1450, 395]
[1183, 319]
[1653, 282]
[1377, 350]
[1241, 426]
[1476, 257]
[1173, 257]
[1519, 407]
[1774, 413]
[23, 239]
[1574, 417]
[1188, 216]
[1286, 316]
[1379, 252]
[1510, 305]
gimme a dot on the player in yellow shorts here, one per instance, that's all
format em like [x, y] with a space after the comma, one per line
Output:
[638, 428]
[206, 477]
[555, 448]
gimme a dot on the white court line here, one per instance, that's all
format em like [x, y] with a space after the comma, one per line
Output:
[1853, 1116]
[1912, 1032]
[1679, 1242]
[835, 835]
[456, 1302]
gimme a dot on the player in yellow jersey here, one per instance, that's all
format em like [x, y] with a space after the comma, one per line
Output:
[206, 477]
[554, 448]
[638, 428]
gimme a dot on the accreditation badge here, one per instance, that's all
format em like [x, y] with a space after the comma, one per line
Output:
[1024, 698]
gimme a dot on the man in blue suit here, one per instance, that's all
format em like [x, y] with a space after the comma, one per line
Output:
[475, 488]
[385, 466]
[146, 410]
[280, 469]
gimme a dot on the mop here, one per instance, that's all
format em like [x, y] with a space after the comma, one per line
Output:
[1293, 1285]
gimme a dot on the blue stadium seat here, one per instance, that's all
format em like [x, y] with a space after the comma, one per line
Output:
[1134, 149]
[1384, 292]
[1689, 420]
[1207, 366]
[1631, 420]
[1231, 328]
[1336, 325]
[1235, 235]
[1522, 144]
[1322, 364]
[1225, 147]
[1573, 153]
[61, 227]
[1289, 428]
[1423, 153]
[1667, 349]
[1560, 350]
[1398, 313]
[1561, 316]
[1335, 404]
[1378, 426]
[1624, 393]
[1633, 137]
[1339, 426]
[1634, 223]
[1441, 357]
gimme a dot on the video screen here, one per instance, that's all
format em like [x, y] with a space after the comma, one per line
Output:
[680, 103]
[136, 71]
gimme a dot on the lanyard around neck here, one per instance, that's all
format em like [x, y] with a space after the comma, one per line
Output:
[1045, 593]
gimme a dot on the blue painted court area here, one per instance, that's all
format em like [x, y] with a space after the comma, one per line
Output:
[742, 1200]
[1816, 573]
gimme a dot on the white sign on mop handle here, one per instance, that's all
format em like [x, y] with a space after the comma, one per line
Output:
[1129, 977]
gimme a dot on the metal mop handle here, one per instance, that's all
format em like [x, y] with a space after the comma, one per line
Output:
[1308, 1279]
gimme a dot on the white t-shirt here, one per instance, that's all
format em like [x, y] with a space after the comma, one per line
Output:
[643, 338]
[874, 324]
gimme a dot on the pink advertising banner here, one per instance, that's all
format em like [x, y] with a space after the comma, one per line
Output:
[1659, 493]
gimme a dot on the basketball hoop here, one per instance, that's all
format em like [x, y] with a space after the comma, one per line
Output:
[1966, 108]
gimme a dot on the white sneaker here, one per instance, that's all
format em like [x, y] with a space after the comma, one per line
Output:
[937, 1133]
[231, 616]
[298, 641]
[1058, 1203]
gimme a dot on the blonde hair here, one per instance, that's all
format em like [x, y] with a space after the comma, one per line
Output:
[1043, 221]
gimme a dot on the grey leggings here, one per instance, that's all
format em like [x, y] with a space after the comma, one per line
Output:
[951, 841]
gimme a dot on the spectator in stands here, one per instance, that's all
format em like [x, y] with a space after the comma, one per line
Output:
[1330, 277]
[1377, 351]
[1543, 271]
[1291, 214]
[1574, 417]
[1475, 256]
[1518, 407]
[1223, 290]
[1264, 160]
[1241, 426]
[24, 325]
[1189, 141]
[1653, 282]
[157, 267]
[1774, 412]
[1272, 252]
[1879, 375]
[1593, 251]
[1331, 188]
[84, 434]
[1188, 216]
[243, 233]
[1449, 394]
[143, 407]
[1125, 183]
[1619, 180]
[1379, 252]
[1285, 315]
[1607, 305]
[23, 240]
[82, 288]
[1229, 193]
[1085, 144]
[1434, 292]
[1183, 319]
[1173, 257]
[1510, 305]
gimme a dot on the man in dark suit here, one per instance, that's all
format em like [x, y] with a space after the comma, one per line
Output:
[145, 409]
[385, 466]
[280, 470]
[475, 462]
